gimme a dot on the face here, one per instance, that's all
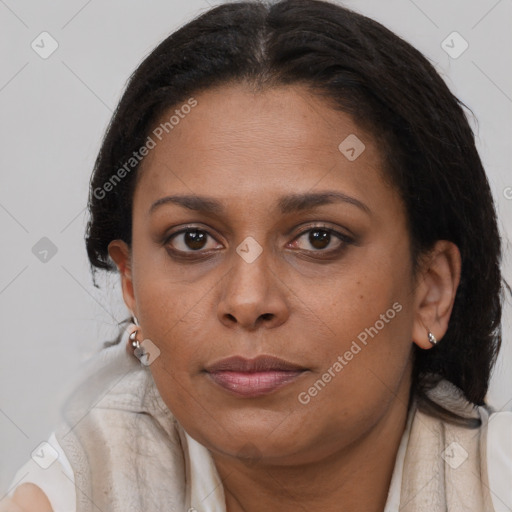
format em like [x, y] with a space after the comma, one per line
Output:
[288, 245]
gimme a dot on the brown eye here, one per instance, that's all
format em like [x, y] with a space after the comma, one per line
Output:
[195, 239]
[190, 240]
[321, 239]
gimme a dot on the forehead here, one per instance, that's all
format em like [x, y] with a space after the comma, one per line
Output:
[236, 143]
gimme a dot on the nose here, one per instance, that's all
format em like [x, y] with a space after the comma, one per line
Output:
[253, 295]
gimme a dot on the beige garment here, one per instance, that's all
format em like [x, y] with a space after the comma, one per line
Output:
[445, 466]
[128, 452]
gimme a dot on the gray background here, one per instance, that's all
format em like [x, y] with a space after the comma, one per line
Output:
[53, 114]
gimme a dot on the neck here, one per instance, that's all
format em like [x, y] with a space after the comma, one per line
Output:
[355, 478]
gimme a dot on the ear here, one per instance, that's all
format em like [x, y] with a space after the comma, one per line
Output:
[121, 254]
[437, 282]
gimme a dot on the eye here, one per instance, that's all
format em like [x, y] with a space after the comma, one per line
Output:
[321, 238]
[190, 240]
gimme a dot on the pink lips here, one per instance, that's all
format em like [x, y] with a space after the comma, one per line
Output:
[253, 377]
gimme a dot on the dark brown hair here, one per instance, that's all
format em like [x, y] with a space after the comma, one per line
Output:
[388, 87]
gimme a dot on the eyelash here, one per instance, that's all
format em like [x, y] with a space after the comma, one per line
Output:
[344, 240]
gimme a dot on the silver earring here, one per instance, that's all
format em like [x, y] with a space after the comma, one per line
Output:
[432, 338]
[133, 339]
[135, 321]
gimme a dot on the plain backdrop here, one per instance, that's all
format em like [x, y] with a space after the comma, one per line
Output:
[54, 112]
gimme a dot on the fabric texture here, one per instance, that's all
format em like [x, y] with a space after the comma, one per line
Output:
[201, 478]
[128, 452]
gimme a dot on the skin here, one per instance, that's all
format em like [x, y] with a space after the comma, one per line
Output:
[301, 302]
[291, 302]
[26, 498]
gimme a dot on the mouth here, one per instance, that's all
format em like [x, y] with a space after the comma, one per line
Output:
[253, 377]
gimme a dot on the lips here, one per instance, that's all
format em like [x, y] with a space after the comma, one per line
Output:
[253, 377]
[258, 364]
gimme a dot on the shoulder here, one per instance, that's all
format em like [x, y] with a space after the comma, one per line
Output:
[27, 496]
[499, 458]
[48, 469]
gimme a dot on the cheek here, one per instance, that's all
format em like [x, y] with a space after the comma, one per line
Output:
[370, 322]
[362, 371]
[366, 297]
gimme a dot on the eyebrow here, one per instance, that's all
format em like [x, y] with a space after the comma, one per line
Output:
[287, 204]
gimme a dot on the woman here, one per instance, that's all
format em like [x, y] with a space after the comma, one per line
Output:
[308, 247]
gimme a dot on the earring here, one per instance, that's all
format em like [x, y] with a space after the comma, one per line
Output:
[133, 339]
[432, 338]
[138, 350]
